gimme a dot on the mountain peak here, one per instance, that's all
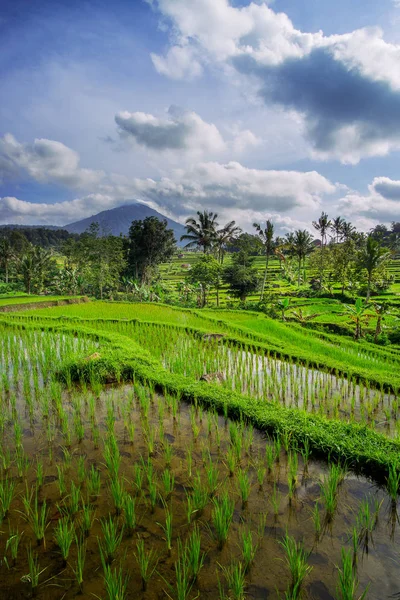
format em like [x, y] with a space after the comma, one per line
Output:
[118, 220]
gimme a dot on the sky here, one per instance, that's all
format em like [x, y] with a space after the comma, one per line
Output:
[255, 110]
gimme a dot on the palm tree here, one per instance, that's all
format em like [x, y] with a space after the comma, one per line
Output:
[225, 236]
[301, 245]
[201, 233]
[322, 225]
[370, 258]
[337, 228]
[6, 256]
[267, 237]
[347, 230]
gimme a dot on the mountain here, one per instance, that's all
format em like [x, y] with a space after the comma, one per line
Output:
[118, 220]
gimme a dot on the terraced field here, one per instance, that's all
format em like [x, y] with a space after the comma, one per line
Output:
[148, 451]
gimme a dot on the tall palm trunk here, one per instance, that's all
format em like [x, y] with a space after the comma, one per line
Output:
[265, 278]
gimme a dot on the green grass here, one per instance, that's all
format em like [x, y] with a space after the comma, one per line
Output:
[32, 299]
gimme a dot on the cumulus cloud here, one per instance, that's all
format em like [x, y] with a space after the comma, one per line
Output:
[380, 205]
[215, 185]
[221, 187]
[386, 187]
[346, 87]
[347, 116]
[180, 130]
[13, 210]
[45, 161]
[180, 62]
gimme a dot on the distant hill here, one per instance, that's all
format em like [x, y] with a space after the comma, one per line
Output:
[118, 220]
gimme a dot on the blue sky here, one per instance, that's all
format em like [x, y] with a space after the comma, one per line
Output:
[253, 109]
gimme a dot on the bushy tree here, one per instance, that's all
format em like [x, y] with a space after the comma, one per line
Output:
[149, 243]
[242, 278]
[207, 273]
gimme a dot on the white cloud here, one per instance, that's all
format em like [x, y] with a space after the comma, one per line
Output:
[220, 187]
[45, 161]
[180, 130]
[180, 62]
[380, 205]
[262, 43]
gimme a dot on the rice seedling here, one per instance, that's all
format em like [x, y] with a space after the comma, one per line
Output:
[347, 579]
[81, 549]
[116, 583]
[74, 497]
[329, 490]
[22, 463]
[87, 518]
[150, 440]
[117, 490]
[147, 561]
[39, 474]
[64, 534]
[244, 486]
[13, 543]
[34, 571]
[183, 583]
[112, 538]
[393, 483]
[249, 549]
[7, 490]
[236, 580]
[366, 521]
[93, 482]
[153, 494]
[62, 486]
[129, 506]
[261, 472]
[37, 516]
[167, 529]
[270, 456]
[138, 476]
[112, 457]
[168, 481]
[212, 478]
[297, 561]
[221, 517]
[199, 495]
[194, 556]
[231, 460]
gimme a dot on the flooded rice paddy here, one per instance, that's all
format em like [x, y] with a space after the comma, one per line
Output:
[95, 482]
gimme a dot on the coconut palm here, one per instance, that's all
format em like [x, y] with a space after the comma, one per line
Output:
[347, 230]
[322, 226]
[371, 257]
[225, 236]
[267, 237]
[201, 233]
[337, 228]
[300, 244]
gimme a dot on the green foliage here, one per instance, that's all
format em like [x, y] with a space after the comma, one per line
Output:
[149, 243]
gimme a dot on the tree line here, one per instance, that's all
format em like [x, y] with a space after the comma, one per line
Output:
[340, 255]
[100, 264]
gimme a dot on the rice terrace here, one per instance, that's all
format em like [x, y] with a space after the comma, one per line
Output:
[199, 300]
[200, 448]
